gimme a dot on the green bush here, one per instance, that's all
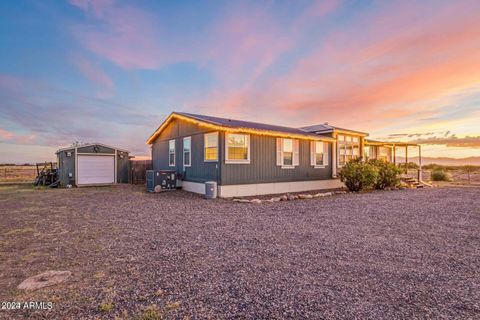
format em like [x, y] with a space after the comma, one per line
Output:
[387, 174]
[439, 175]
[358, 175]
[410, 165]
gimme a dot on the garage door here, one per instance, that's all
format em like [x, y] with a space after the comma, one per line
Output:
[95, 169]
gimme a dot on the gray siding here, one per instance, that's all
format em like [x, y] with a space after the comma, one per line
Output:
[263, 165]
[123, 167]
[91, 149]
[66, 165]
[200, 171]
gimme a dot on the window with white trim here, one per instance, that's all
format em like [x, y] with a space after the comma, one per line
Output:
[171, 153]
[287, 152]
[319, 154]
[348, 148]
[211, 146]
[237, 148]
[187, 151]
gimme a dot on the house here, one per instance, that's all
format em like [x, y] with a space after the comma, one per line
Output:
[92, 164]
[250, 158]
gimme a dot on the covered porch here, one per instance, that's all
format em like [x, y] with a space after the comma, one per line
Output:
[399, 153]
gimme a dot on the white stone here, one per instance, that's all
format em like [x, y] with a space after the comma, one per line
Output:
[48, 278]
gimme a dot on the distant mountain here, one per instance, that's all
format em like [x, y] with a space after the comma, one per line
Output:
[475, 161]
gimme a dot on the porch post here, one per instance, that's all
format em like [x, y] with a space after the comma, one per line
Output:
[394, 154]
[419, 163]
[334, 157]
[406, 159]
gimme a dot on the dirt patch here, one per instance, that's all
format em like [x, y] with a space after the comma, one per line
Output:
[395, 254]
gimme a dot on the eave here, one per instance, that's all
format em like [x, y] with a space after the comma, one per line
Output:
[217, 127]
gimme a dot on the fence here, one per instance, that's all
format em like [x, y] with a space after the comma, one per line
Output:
[17, 174]
[138, 169]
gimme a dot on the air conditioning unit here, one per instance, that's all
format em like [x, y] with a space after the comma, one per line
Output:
[166, 179]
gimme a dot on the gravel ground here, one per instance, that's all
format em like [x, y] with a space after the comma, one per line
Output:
[384, 255]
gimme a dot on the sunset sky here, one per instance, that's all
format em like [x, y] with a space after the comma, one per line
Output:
[110, 71]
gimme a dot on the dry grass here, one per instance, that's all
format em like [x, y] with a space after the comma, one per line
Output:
[17, 174]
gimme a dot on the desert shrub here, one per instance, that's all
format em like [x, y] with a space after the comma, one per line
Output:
[410, 165]
[439, 175]
[433, 166]
[358, 175]
[387, 174]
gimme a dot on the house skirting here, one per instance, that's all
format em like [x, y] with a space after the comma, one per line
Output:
[195, 187]
[242, 190]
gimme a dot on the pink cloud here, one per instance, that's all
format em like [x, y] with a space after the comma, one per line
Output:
[96, 7]
[7, 136]
[95, 74]
[382, 69]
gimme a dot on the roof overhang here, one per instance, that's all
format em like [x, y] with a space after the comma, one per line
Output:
[343, 131]
[389, 143]
[207, 124]
[90, 144]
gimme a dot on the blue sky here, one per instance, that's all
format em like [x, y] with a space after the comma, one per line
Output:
[110, 71]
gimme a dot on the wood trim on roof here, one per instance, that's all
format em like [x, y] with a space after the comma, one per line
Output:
[212, 126]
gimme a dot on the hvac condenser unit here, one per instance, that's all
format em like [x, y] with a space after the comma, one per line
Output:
[166, 179]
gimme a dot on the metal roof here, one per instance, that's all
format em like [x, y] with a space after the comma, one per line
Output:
[325, 128]
[81, 145]
[240, 125]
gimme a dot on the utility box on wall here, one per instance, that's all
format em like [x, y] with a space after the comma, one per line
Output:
[165, 179]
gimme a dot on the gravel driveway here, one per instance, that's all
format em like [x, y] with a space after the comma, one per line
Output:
[394, 254]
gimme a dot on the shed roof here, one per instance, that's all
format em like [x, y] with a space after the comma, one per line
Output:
[81, 145]
[238, 126]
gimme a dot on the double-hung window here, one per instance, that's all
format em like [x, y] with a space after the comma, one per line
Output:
[187, 151]
[237, 148]
[211, 146]
[348, 148]
[171, 153]
[287, 153]
[319, 154]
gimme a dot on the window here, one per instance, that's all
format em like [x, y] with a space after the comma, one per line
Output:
[237, 148]
[171, 153]
[319, 154]
[187, 153]
[348, 148]
[384, 153]
[211, 146]
[287, 153]
[287, 149]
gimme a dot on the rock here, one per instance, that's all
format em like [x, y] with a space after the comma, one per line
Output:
[48, 278]
[256, 201]
[328, 194]
[290, 197]
[305, 196]
[243, 200]
[157, 189]
[275, 199]
[340, 192]
[283, 198]
[318, 195]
